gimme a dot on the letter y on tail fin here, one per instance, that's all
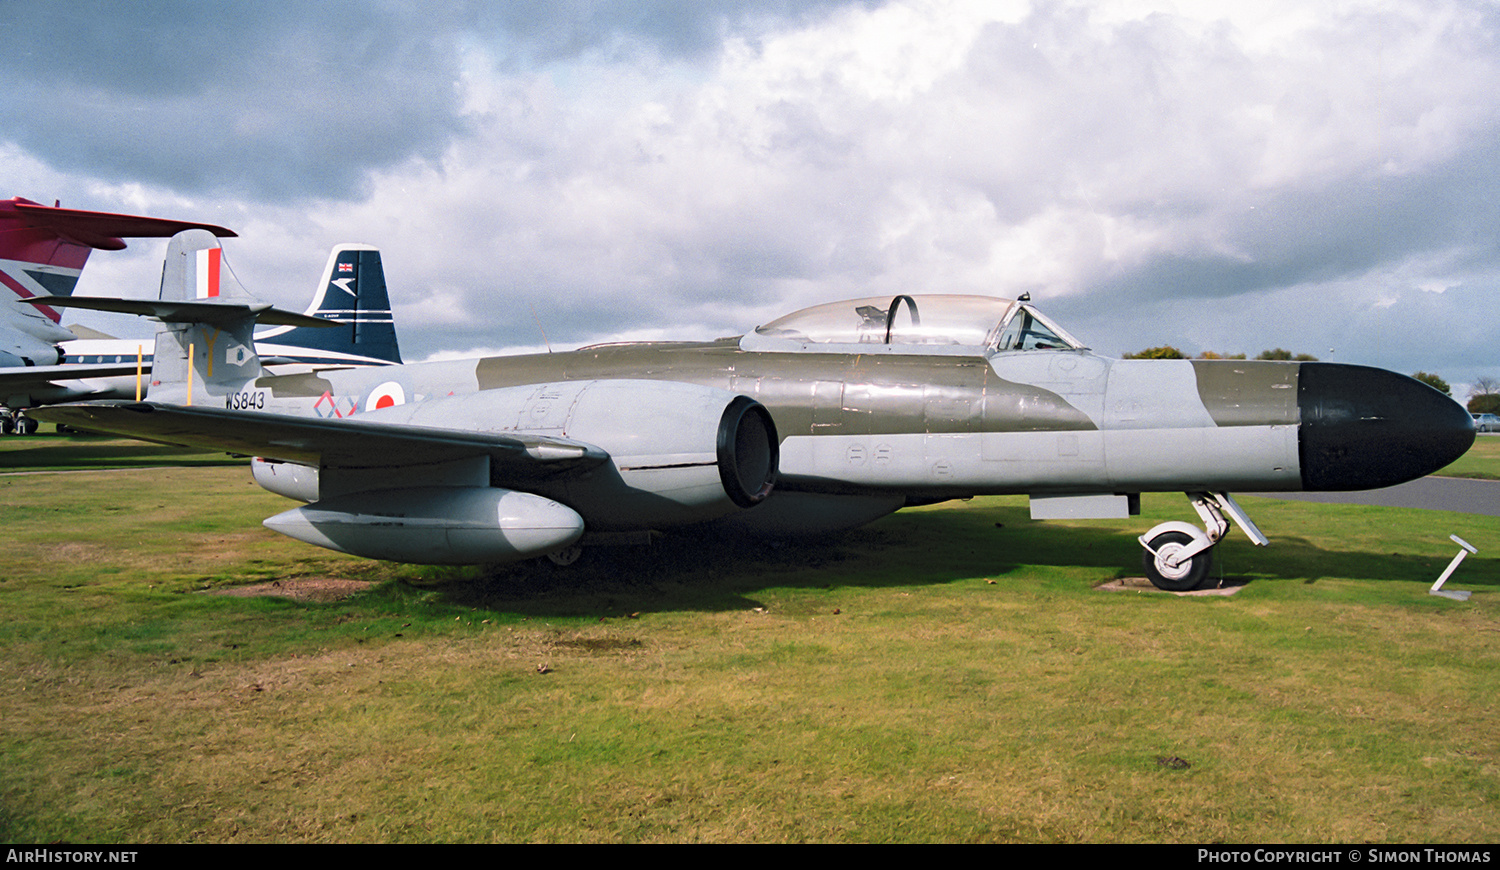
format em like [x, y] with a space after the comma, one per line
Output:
[205, 353]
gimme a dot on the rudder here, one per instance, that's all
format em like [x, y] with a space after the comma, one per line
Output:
[353, 294]
[218, 340]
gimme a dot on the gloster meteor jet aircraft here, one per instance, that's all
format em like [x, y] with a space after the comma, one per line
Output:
[823, 420]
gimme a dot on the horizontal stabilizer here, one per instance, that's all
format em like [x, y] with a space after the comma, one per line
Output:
[347, 443]
[171, 311]
[103, 230]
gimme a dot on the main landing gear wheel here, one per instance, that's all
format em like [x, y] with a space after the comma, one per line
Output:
[1175, 578]
[566, 556]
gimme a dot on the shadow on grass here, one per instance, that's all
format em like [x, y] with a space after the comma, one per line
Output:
[699, 571]
[43, 452]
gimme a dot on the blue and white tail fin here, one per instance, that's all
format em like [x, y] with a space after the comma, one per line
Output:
[352, 294]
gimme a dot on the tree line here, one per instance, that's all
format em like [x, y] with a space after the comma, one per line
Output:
[1167, 351]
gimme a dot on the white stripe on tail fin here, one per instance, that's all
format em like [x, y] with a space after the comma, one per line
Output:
[206, 353]
[220, 343]
[209, 262]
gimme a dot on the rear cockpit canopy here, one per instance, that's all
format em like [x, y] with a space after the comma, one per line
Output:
[949, 324]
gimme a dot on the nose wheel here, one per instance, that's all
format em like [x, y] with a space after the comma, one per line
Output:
[1179, 555]
[1169, 564]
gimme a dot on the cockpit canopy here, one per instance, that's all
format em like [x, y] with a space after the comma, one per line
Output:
[914, 324]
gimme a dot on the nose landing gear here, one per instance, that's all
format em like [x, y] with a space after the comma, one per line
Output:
[1178, 555]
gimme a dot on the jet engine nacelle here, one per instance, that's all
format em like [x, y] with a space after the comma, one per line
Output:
[286, 479]
[438, 525]
[678, 453]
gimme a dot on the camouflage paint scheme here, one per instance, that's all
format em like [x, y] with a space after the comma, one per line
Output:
[851, 409]
[1036, 421]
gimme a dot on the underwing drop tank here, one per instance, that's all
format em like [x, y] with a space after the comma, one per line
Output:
[441, 525]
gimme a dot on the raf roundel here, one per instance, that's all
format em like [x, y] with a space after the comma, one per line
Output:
[387, 395]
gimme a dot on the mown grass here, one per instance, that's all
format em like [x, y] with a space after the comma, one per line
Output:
[50, 450]
[948, 674]
[1482, 460]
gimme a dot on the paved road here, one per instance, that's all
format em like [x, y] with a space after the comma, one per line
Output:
[1460, 494]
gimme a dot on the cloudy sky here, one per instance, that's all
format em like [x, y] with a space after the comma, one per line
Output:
[1320, 176]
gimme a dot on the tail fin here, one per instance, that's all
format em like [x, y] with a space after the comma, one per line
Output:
[43, 248]
[206, 352]
[210, 355]
[42, 253]
[353, 294]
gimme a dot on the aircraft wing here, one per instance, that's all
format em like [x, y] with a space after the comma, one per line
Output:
[171, 311]
[23, 386]
[13, 377]
[102, 229]
[348, 442]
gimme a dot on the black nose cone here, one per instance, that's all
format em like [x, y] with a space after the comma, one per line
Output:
[1364, 428]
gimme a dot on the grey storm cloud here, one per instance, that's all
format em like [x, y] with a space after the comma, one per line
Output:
[1171, 173]
[275, 101]
[542, 32]
[264, 101]
[1340, 230]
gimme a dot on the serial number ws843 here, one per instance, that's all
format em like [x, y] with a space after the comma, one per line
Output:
[254, 400]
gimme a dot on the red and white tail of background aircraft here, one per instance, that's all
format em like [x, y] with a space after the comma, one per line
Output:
[42, 253]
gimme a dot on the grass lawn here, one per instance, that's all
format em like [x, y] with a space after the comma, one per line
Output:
[1482, 460]
[952, 673]
[50, 450]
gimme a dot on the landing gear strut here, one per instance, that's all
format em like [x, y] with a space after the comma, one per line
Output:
[13, 422]
[1178, 555]
[566, 556]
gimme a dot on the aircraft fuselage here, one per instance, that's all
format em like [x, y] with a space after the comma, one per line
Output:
[824, 419]
[1036, 422]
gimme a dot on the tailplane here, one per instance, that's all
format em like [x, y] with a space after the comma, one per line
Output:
[352, 294]
[42, 253]
[205, 353]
